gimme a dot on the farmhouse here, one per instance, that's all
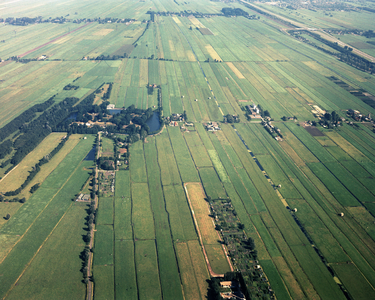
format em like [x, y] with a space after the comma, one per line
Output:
[212, 126]
[226, 284]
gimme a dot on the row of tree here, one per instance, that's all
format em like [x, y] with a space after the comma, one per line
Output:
[36, 169]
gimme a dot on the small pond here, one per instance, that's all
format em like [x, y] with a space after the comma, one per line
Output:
[153, 122]
[91, 154]
[114, 111]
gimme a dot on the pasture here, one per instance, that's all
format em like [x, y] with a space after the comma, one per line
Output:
[307, 201]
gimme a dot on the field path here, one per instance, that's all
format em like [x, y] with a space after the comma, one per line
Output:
[212, 273]
[54, 40]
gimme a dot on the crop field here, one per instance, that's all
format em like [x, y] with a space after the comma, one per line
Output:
[36, 220]
[13, 180]
[59, 254]
[107, 147]
[307, 199]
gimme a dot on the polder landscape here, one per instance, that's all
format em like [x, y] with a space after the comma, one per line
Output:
[161, 149]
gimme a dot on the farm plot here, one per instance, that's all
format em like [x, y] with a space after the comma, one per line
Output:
[105, 211]
[14, 179]
[38, 217]
[104, 287]
[184, 161]
[205, 226]
[125, 272]
[123, 206]
[103, 245]
[137, 167]
[60, 256]
[167, 162]
[142, 217]
[197, 150]
[170, 283]
[194, 273]
[146, 264]
[181, 222]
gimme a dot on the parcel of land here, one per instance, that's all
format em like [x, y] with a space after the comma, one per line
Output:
[260, 171]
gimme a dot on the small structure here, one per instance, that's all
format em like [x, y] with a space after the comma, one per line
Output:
[226, 284]
[110, 106]
[212, 126]
[294, 209]
[341, 214]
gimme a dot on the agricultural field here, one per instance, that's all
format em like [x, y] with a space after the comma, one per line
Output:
[305, 198]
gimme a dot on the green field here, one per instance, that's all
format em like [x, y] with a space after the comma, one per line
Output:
[307, 199]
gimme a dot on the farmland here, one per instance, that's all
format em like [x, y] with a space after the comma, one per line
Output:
[305, 199]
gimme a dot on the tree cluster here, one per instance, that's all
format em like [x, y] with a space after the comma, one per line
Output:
[330, 119]
[107, 94]
[36, 130]
[24, 118]
[5, 148]
[70, 87]
[228, 11]
[231, 118]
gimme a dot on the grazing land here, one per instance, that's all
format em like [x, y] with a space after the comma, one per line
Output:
[265, 108]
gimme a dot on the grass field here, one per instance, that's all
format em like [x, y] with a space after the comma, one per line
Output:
[147, 270]
[146, 243]
[59, 255]
[38, 217]
[125, 273]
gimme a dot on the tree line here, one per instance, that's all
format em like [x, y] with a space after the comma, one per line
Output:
[35, 170]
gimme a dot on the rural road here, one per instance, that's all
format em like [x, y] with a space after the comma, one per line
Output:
[90, 284]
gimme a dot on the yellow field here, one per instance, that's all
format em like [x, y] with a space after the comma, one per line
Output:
[299, 148]
[7, 208]
[45, 170]
[171, 45]
[211, 51]
[67, 38]
[103, 32]
[176, 20]
[364, 218]
[326, 143]
[196, 22]
[15, 178]
[76, 74]
[6, 244]
[188, 278]
[293, 155]
[190, 55]
[235, 70]
[346, 146]
[201, 212]
[284, 270]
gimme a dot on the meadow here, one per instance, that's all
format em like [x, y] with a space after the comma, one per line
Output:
[307, 201]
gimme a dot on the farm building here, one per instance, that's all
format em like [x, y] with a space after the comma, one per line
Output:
[226, 284]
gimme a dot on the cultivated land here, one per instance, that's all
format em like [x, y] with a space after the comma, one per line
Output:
[307, 200]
